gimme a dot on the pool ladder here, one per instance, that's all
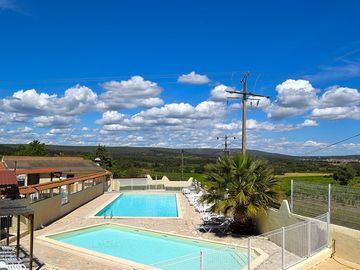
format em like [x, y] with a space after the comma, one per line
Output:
[111, 215]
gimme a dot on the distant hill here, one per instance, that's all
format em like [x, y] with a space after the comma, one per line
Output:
[144, 151]
[135, 161]
[118, 151]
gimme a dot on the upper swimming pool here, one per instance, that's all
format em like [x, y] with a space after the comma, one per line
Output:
[161, 251]
[142, 205]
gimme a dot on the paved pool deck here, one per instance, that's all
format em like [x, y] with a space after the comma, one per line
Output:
[336, 264]
[56, 257]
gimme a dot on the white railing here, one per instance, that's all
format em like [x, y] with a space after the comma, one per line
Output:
[290, 245]
[133, 184]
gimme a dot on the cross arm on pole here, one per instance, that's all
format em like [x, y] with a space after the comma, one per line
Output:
[245, 94]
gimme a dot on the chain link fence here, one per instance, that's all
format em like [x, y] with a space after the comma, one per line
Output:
[342, 202]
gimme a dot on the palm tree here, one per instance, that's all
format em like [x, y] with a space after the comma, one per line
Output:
[240, 187]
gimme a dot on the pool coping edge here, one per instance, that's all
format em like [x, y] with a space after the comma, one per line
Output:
[261, 255]
[102, 206]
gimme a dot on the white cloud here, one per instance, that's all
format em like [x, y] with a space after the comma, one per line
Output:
[59, 131]
[174, 114]
[313, 144]
[133, 93]
[218, 93]
[55, 121]
[296, 93]
[76, 100]
[275, 111]
[193, 78]
[294, 97]
[338, 103]
[309, 123]
[28, 102]
[336, 96]
[336, 113]
[21, 130]
[110, 117]
[253, 124]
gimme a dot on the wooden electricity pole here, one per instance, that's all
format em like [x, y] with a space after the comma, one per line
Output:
[244, 96]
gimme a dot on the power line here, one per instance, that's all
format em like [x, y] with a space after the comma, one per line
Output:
[332, 144]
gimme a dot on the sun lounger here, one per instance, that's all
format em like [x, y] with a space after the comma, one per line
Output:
[192, 195]
[212, 218]
[16, 266]
[12, 260]
[186, 191]
[7, 248]
[4, 266]
[222, 228]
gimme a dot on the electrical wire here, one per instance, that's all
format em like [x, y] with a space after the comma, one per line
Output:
[332, 144]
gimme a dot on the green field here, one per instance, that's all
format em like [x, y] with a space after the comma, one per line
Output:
[283, 181]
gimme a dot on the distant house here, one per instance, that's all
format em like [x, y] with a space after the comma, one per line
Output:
[32, 170]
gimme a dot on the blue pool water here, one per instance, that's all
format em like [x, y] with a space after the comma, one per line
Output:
[131, 205]
[152, 248]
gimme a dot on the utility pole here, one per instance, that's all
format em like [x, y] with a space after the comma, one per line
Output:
[244, 96]
[226, 144]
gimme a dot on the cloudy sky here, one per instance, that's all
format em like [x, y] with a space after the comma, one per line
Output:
[135, 73]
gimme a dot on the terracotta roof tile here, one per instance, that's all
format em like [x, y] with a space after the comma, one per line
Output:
[7, 178]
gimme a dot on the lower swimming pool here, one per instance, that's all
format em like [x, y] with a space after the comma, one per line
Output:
[152, 248]
[142, 205]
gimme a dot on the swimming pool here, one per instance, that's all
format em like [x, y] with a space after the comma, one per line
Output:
[162, 251]
[141, 205]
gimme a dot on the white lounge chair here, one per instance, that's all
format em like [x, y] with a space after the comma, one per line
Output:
[186, 191]
[192, 195]
[4, 266]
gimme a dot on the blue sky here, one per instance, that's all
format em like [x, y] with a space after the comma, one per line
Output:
[155, 73]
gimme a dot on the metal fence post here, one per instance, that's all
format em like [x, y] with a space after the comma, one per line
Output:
[309, 237]
[283, 249]
[201, 260]
[329, 201]
[249, 253]
[292, 196]
[327, 229]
